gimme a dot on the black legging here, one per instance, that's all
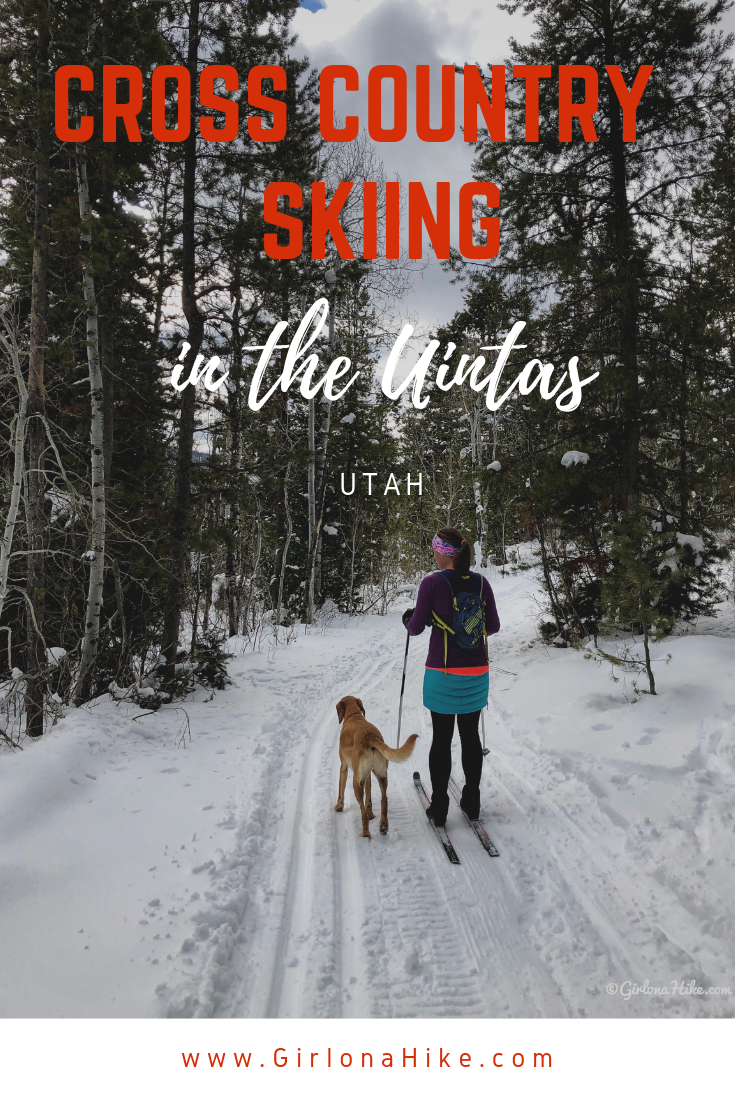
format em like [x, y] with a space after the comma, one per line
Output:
[440, 755]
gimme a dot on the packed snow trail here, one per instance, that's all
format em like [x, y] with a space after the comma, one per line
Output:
[147, 872]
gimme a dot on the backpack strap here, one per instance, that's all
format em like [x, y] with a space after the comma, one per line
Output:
[437, 621]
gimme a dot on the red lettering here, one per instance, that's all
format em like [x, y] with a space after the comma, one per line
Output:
[392, 220]
[491, 226]
[420, 214]
[406, 1057]
[190, 1059]
[370, 220]
[158, 103]
[377, 75]
[532, 74]
[465, 1059]
[277, 107]
[227, 107]
[443, 1060]
[325, 220]
[495, 1060]
[475, 95]
[327, 77]
[242, 1059]
[629, 100]
[112, 110]
[64, 132]
[424, 129]
[219, 1060]
[515, 1065]
[568, 110]
[289, 222]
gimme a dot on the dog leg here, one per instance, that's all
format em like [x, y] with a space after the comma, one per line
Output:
[359, 795]
[339, 806]
[383, 782]
[368, 798]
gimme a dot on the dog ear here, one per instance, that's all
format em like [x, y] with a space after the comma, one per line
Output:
[360, 705]
[341, 710]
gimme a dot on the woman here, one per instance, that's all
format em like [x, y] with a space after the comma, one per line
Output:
[459, 605]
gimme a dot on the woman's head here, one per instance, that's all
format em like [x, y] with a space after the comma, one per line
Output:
[446, 541]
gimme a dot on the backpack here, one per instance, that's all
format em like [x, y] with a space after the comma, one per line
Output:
[468, 613]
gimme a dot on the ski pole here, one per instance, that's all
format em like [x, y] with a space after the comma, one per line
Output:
[485, 750]
[403, 685]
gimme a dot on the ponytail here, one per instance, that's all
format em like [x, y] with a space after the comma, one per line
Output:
[456, 539]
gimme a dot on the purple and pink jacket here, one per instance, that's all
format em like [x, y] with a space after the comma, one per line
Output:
[435, 594]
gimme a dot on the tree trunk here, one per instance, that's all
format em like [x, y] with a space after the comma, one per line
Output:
[108, 393]
[178, 553]
[555, 610]
[36, 481]
[311, 504]
[284, 555]
[683, 448]
[320, 484]
[256, 560]
[234, 417]
[119, 597]
[161, 284]
[96, 553]
[626, 281]
[6, 545]
[649, 670]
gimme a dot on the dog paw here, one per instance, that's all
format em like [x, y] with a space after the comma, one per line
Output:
[339, 807]
[366, 834]
[383, 828]
[371, 814]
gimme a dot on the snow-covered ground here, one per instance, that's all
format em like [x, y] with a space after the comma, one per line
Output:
[190, 862]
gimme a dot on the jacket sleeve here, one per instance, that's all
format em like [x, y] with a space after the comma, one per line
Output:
[492, 620]
[422, 612]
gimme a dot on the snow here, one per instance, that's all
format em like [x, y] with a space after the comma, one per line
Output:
[54, 655]
[670, 558]
[189, 862]
[494, 466]
[571, 458]
[694, 542]
[348, 419]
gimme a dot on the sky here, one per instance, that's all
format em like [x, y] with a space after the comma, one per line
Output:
[364, 33]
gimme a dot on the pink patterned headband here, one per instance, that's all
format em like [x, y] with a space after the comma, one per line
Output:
[445, 548]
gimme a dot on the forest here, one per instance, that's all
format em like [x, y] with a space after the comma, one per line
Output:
[144, 527]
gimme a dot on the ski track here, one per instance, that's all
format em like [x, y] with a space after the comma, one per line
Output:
[346, 927]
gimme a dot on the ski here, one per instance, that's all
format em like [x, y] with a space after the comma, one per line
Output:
[485, 839]
[439, 831]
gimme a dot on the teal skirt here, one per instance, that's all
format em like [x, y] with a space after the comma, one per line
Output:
[455, 693]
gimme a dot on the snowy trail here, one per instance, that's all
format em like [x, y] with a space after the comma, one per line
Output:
[615, 827]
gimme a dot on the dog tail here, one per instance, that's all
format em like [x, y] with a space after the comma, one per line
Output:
[401, 754]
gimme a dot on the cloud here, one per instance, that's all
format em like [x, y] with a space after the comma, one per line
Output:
[365, 33]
